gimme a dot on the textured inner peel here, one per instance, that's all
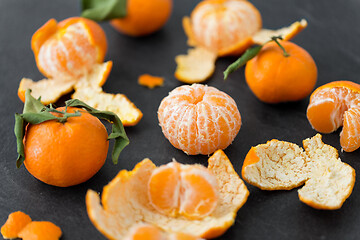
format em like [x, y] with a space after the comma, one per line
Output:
[282, 165]
[331, 180]
[125, 202]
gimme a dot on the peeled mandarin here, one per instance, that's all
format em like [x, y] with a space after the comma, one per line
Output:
[199, 119]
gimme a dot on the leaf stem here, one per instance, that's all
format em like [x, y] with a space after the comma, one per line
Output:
[275, 39]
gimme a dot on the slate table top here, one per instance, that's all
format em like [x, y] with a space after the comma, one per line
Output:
[332, 38]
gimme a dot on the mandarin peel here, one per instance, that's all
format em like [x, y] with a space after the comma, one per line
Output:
[50, 90]
[40, 230]
[333, 105]
[15, 222]
[126, 204]
[195, 67]
[20, 225]
[279, 165]
[150, 81]
[199, 119]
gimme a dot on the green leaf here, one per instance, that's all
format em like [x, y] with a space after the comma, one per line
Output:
[249, 54]
[36, 118]
[35, 113]
[19, 131]
[32, 105]
[102, 10]
[118, 132]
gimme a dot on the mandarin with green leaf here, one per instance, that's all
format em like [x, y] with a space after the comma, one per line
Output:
[281, 72]
[66, 154]
[67, 145]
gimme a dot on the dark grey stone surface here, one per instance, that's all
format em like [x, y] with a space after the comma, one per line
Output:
[332, 38]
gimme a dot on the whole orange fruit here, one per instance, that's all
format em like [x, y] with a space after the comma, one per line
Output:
[66, 154]
[143, 17]
[275, 78]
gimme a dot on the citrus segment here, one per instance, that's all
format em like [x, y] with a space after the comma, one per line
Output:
[145, 231]
[14, 224]
[126, 203]
[334, 105]
[199, 192]
[68, 49]
[140, 19]
[40, 231]
[66, 154]
[176, 189]
[195, 67]
[284, 166]
[164, 188]
[199, 119]
[150, 81]
[350, 135]
[275, 78]
[276, 165]
[183, 236]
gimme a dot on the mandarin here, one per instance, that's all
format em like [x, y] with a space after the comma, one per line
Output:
[337, 104]
[275, 77]
[199, 119]
[66, 154]
[70, 48]
[223, 26]
[125, 204]
[143, 17]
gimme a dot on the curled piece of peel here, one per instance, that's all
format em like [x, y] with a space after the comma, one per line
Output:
[125, 203]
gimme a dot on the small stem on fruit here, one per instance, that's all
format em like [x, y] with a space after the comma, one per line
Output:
[275, 39]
